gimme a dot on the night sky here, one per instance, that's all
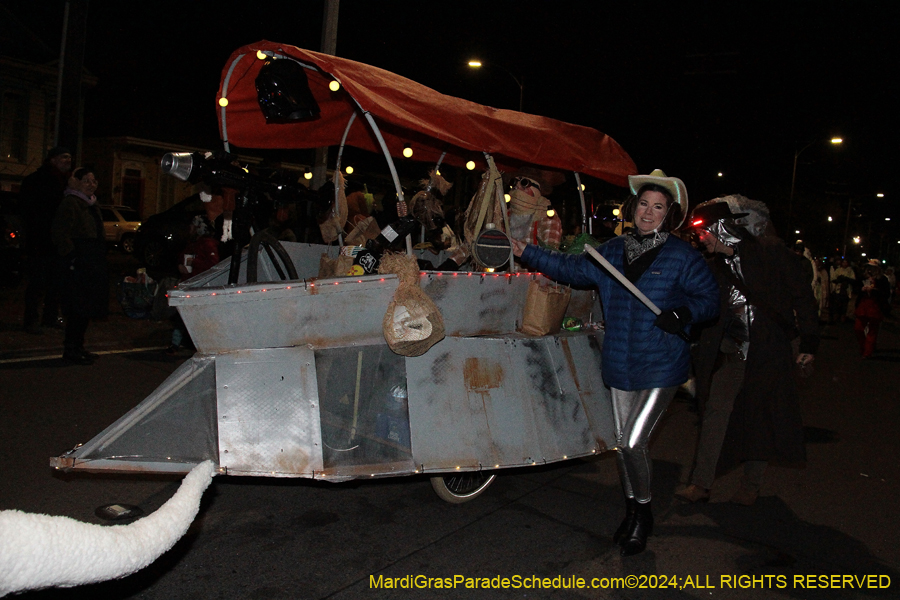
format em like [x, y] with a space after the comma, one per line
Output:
[695, 90]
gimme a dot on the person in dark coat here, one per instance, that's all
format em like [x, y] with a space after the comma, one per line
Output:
[78, 235]
[644, 358]
[39, 197]
[744, 362]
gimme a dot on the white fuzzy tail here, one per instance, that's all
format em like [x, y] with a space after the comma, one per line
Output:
[39, 551]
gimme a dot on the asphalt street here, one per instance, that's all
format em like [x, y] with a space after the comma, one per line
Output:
[817, 531]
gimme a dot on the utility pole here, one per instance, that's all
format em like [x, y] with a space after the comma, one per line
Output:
[67, 125]
[329, 46]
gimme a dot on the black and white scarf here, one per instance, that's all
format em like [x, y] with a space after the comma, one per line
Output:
[637, 244]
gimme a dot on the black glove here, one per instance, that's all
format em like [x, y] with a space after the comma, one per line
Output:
[674, 321]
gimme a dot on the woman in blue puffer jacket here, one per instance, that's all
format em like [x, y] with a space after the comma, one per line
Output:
[644, 359]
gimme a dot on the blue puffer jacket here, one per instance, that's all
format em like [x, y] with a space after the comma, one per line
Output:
[637, 355]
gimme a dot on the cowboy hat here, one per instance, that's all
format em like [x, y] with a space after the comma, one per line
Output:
[672, 184]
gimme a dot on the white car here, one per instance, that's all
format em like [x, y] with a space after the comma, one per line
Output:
[119, 225]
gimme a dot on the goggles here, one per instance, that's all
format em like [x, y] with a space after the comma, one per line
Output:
[524, 182]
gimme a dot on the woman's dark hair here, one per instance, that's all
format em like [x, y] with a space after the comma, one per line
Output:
[81, 172]
[673, 214]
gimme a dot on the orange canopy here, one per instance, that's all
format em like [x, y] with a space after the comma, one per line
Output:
[408, 113]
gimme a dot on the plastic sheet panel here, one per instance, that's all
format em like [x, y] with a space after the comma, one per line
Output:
[175, 425]
[365, 420]
[268, 413]
[504, 402]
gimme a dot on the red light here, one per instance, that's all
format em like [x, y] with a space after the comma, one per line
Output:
[697, 223]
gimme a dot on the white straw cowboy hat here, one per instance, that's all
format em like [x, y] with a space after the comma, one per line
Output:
[674, 185]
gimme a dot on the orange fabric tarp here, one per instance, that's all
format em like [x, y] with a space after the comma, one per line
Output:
[409, 113]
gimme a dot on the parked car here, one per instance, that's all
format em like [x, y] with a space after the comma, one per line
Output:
[119, 225]
[11, 240]
[162, 236]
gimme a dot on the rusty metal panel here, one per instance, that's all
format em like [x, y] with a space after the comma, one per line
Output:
[345, 311]
[326, 313]
[565, 372]
[506, 401]
[448, 424]
[582, 354]
[268, 413]
[477, 303]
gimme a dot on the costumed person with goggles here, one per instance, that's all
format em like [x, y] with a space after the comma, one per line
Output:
[645, 359]
[745, 360]
[531, 216]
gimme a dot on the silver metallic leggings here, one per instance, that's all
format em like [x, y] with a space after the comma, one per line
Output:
[636, 414]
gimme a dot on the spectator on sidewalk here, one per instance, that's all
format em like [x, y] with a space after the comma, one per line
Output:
[40, 197]
[78, 235]
[744, 362]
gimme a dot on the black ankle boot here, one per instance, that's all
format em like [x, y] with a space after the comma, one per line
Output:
[621, 533]
[636, 539]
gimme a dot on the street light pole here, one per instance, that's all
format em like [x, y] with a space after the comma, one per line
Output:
[847, 226]
[477, 64]
[835, 141]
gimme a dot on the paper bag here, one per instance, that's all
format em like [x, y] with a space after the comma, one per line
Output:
[545, 307]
